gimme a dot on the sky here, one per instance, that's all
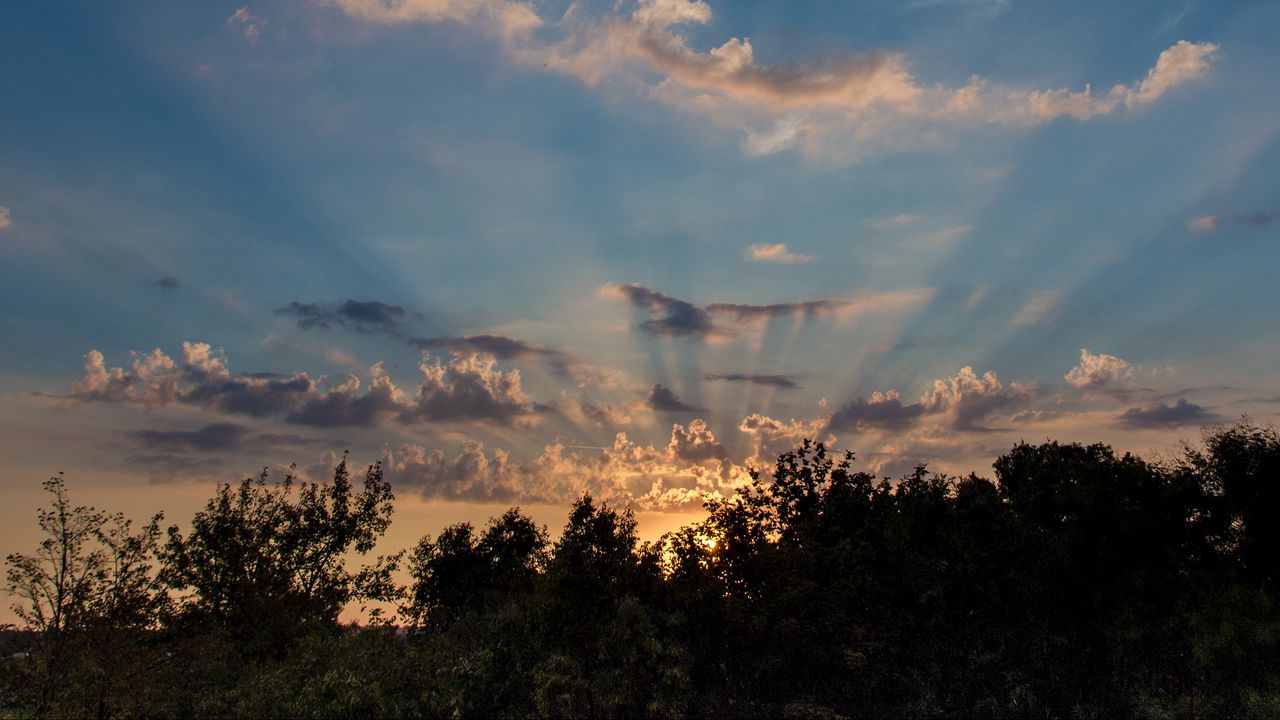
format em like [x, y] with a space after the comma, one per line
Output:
[515, 251]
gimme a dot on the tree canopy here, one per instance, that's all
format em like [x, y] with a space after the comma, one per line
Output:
[1076, 582]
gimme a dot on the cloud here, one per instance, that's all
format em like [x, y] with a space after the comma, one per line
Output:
[1098, 370]
[510, 20]
[696, 444]
[691, 466]
[252, 26]
[1161, 415]
[776, 253]
[1036, 309]
[883, 411]
[963, 401]
[668, 316]
[662, 399]
[168, 283]
[834, 109]
[499, 346]
[5, 217]
[344, 406]
[215, 437]
[358, 315]
[1258, 220]
[672, 317]
[468, 388]
[895, 221]
[164, 467]
[770, 437]
[777, 381]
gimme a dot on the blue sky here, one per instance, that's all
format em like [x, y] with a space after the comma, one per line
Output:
[636, 248]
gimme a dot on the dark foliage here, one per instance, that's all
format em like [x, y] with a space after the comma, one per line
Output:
[1077, 583]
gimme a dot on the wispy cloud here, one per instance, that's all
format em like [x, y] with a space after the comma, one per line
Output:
[1259, 220]
[359, 315]
[778, 381]
[216, 437]
[6, 218]
[250, 25]
[777, 253]
[672, 317]
[837, 108]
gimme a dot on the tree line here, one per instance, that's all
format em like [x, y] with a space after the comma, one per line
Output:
[1075, 583]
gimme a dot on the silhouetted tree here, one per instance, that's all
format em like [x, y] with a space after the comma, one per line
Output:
[265, 562]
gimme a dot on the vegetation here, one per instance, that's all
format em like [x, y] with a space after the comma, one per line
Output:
[1076, 584]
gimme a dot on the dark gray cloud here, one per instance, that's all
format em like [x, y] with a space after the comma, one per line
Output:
[218, 436]
[168, 283]
[748, 313]
[1257, 220]
[668, 316]
[358, 315]
[170, 466]
[778, 381]
[673, 317]
[887, 413]
[1161, 415]
[501, 347]
[662, 399]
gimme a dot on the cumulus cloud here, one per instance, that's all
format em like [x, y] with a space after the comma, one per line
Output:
[5, 217]
[771, 437]
[836, 109]
[1161, 415]
[693, 465]
[215, 437]
[1098, 370]
[663, 399]
[252, 26]
[672, 317]
[468, 388]
[359, 315]
[1259, 220]
[776, 253]
[778, 381]
[964, 401]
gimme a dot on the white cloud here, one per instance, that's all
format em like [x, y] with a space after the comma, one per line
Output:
[835, 110]
[1099, 369]
[506, 19]
[776, 253]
